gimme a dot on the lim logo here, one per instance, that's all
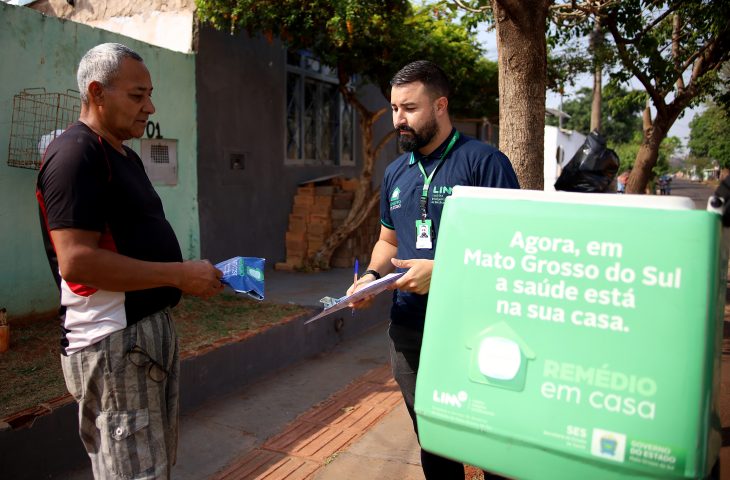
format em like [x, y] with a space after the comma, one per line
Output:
[445, 398]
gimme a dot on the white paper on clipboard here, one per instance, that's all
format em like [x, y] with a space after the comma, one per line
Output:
[372, 288]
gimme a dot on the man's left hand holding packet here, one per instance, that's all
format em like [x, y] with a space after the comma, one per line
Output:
[244, 275]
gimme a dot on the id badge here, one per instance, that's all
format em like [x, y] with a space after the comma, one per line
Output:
[423, 234]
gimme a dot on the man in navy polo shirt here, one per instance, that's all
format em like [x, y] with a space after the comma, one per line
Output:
[412, 198]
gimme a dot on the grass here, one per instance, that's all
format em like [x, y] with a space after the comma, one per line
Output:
[30, 372]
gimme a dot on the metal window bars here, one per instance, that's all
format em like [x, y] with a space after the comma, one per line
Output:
[38, 118]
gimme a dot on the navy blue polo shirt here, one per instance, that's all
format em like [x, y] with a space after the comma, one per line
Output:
[469, 162]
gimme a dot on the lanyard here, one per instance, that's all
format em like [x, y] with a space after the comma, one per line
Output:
[427, 178]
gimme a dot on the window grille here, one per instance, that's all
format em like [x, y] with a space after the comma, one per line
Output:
[38, 118]
[320, 124]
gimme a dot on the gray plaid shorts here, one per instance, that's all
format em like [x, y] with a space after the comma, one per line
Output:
[127, 387]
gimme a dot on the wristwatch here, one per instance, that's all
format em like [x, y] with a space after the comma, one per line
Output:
[373, 273]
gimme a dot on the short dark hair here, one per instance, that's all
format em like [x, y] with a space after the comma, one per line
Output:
[425, 72]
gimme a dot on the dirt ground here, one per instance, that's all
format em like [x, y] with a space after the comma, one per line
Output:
[30, 372]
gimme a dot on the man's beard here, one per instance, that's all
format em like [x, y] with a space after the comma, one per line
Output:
[417, 140]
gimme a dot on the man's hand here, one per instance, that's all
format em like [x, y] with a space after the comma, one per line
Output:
[365, 302]
[418, 277]
[200, 278]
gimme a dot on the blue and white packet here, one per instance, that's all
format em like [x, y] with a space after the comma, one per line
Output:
[244, 275]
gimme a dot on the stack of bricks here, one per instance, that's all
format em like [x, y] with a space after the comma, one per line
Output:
[317, 211]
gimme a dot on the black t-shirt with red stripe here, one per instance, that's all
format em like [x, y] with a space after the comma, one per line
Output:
[85, 183]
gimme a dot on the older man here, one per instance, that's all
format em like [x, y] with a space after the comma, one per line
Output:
[119, 267]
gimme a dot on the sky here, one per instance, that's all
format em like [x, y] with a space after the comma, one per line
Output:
[679, 129]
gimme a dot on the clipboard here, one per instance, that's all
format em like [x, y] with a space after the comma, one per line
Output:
[373, 288]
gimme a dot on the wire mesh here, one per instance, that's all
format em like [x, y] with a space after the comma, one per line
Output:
[38, 118]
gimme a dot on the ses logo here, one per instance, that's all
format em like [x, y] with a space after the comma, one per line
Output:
[395, 199]
[445, 398]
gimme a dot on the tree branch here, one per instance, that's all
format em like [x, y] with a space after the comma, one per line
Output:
[379, 113]
[381, 144]
[646, 29]
[635, 70]
[352, 99]
[512, 7]
[676, 31]
[695, 56]
[461, 4]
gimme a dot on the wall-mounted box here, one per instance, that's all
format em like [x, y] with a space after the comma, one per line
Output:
[159, 157]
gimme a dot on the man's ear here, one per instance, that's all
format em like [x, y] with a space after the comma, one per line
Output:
[96, 93]
[442, 105]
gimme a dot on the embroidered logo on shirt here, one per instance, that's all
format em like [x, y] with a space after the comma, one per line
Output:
[395, 199]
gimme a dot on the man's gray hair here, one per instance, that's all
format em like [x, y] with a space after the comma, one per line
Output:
[101, 64]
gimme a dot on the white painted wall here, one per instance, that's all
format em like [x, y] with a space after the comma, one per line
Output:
[569, 142]
[163, 23]
[171, 30]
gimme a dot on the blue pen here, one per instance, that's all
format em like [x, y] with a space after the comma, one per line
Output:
[354, 282]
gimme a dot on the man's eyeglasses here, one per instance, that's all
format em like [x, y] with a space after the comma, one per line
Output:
[141, 358]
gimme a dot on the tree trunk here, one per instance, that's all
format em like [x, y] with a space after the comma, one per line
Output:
[646, 157]
[597, 97]
[596, 40]
[522, 58]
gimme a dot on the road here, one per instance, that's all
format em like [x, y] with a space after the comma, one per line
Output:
[699, 192]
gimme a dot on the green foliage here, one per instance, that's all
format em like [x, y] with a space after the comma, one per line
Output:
[651, 50]
[643, 31]
[620, 117]
[453, 46]
[694, 164]
[722, 98]
[563, 66]
[371, 39]
[667, 149]
[355, 36]
[710, 136]
[627, 152]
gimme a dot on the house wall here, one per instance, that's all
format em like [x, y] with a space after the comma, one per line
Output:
[241, 89]
[40, 51]
[165, 23]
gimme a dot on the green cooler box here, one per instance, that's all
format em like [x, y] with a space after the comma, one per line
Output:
[574, 336]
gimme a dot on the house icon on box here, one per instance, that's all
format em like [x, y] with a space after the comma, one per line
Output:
[499, 357]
